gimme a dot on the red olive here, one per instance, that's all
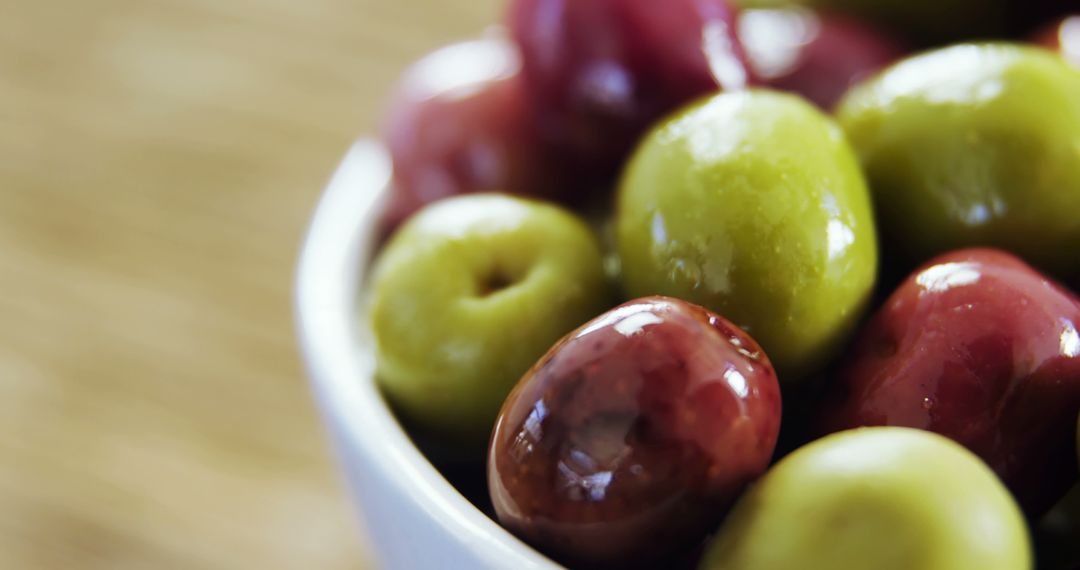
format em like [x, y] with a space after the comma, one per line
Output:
[601, 71]
[980, 347]
[629, 440]
[459, 121]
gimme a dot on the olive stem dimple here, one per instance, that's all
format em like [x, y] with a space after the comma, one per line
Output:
[494, 282]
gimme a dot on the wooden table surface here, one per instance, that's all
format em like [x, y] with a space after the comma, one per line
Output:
[158, 161]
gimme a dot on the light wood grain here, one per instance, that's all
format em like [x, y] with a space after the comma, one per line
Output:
[158, 161]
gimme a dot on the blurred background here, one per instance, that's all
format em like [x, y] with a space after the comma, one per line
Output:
[158, 162]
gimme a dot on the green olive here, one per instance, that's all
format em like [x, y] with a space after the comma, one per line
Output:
[974, 145]
[752, 204]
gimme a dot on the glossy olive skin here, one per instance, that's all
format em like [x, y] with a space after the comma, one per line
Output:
[817, 55]
[459, 121]
[601, 71]
[974, 145]
[631, 437]
[979, 347]
[752, 204]
[464, 298]
[880, 498]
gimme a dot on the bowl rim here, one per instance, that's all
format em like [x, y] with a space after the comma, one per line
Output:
[337, 351]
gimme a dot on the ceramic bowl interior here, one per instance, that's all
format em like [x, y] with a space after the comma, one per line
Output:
[415, 518]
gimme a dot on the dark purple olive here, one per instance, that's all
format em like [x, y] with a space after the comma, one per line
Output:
[601, 71]
[459, 122]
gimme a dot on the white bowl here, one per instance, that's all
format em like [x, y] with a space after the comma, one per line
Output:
[414, 517]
